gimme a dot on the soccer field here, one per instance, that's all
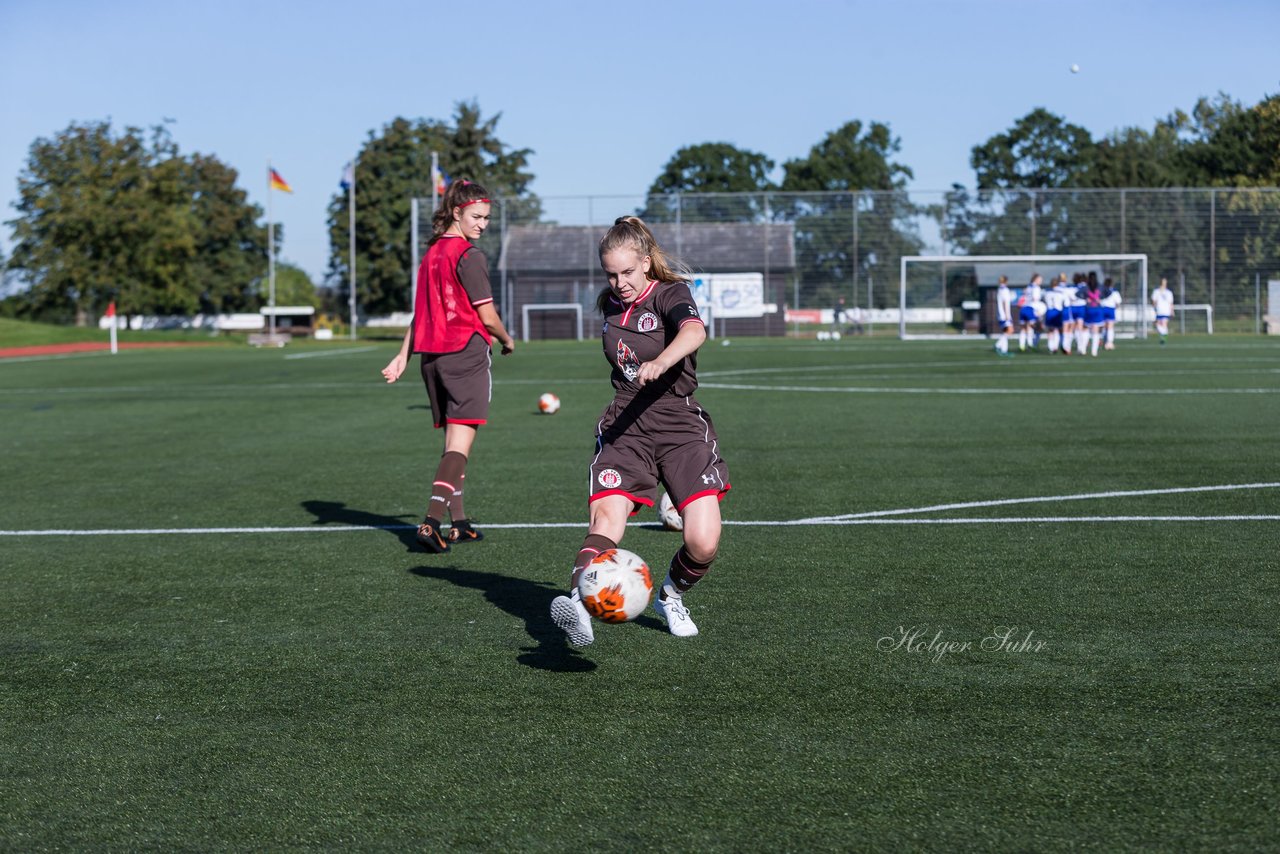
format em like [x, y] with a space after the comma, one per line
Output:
[962, 603]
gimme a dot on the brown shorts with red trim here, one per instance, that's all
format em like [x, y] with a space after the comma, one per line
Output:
[670, 440]
[459, 384]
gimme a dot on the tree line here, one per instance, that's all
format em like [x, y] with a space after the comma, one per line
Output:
[127, 217]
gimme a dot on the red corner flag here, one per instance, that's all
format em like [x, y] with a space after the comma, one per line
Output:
[278, 183]
[111, 309]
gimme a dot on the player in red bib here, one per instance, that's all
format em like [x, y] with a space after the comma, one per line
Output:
[654, 431]
[454, 324]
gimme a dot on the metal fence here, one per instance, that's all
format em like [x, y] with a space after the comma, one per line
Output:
[1215, 246]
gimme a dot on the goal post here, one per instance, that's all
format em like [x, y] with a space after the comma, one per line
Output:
[947, 296]
[1189, 312]
[547, 307]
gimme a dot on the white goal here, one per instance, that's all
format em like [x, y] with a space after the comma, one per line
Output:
[550, 307]
[952, 296]
[1195, 317]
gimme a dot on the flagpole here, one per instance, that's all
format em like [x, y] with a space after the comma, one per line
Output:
[271, 259]
[435, 182]
[351, 228]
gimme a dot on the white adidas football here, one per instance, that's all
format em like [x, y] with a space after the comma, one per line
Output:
[616, 586]
[669, 515]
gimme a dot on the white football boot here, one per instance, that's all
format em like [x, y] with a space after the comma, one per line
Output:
[571, 616]
[672, 610]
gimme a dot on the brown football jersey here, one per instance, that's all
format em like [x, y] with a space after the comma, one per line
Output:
[638, 333]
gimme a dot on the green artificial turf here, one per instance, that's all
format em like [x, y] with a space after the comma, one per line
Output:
[893, 678]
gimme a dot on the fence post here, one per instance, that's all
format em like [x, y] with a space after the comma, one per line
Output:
[1033, 222]
[766, 284]
[1182, 300]
[1213, 248]
[1122, 223]
[857, 261]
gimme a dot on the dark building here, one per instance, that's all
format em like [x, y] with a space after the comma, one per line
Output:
[545, 270]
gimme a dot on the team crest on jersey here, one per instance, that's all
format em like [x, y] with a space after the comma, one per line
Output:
[627, 360]
[609, 479]
[647, 322]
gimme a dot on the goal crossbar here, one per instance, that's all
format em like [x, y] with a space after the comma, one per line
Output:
[960, 260]
[549, 306]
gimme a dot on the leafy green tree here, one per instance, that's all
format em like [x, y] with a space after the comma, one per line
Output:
[107, 217]
[294, 287]
[1041, 150]
[230, 259]
[840, 226]
[1228, 144]
[714, 167]
[393, 167]
[849, 159]
[1133, 157]
[710, 182]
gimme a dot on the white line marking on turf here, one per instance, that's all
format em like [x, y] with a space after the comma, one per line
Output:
[874, 517]
[49, 357]
[1002, 502]
[760, 523]
[1016, 520]
[1019, 391]
[322, 353]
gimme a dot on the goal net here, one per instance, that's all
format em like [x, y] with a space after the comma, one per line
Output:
[1191, 319]
[950, 296]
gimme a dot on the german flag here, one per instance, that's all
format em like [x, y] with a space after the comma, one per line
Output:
[278, 183]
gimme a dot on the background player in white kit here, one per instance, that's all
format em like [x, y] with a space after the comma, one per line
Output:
[1054, 301]
[1071, 319]
[1031, 298]
[1004, 315]
[1162, 300]
[1111, 300]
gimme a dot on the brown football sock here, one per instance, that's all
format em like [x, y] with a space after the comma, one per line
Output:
[446, 491]
[685, 571]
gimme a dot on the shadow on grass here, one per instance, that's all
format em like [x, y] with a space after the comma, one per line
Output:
[525, 600]
[529, 601]
[338, 513]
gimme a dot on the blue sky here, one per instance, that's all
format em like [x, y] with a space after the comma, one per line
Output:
[605, 93]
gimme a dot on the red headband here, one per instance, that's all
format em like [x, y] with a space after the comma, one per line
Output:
[473, 202]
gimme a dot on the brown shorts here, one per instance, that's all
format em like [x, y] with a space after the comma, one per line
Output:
[670, 440]
[459, 384]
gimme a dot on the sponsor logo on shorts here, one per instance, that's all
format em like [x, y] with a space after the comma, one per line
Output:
[708, 478]
[609, 479]
[647, 322]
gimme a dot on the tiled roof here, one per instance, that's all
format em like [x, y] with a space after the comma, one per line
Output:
[705, 247]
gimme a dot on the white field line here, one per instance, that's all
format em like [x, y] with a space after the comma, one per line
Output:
[49, 357]
[859, 368]
[760, 523]
[875, 517]
[1004, 502]
[1022, 520]
[1017, 391]
[375, 385]
[320, 354]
